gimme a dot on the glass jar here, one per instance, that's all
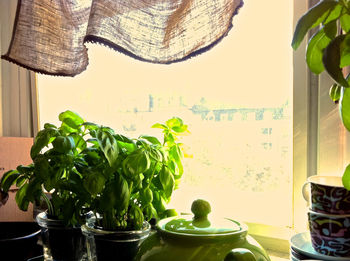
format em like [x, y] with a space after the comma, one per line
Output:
[61, 243]
[109, 245]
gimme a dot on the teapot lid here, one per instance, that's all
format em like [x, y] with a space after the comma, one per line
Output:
[199, 223]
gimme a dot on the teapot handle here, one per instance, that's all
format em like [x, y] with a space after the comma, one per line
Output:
[240, 254]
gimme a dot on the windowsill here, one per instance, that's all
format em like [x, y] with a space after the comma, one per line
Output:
[275, 240]
[278, 256]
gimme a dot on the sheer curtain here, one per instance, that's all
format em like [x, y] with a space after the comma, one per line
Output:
[18, 95]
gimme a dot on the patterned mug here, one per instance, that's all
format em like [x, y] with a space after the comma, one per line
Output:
[330, 234]
[327, 195]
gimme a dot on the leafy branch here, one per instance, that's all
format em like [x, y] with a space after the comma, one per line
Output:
[329, 50]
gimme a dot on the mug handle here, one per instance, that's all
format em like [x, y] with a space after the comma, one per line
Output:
[306, 190]
[240, 254]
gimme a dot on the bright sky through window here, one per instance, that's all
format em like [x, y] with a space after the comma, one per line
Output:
[237, 99]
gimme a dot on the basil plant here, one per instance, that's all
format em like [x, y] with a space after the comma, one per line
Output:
[83, 167]
[53, 177]
[329, 50]
[132, 180]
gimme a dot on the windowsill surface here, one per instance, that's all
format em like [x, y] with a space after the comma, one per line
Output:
[278, 256]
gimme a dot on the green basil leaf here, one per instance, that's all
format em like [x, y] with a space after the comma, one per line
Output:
[146, 196]
[72, 125]
[80, 143]
[42, 167]
[169, 138]
[93, 133]
[116, 195]
[25, 169]
[72, 119]
[180, 129]
[156, 182]
[108, 130]
[177, 182]
[345, 22]
[91, 126]
[346, 178]
[68, 211]
[123, 138]
[109, 146]
[158, 202]
[174, 168]
[150, 212]
[49, 126]
[63, 144]
[94, 183]
[41, 140]
[314, 51]
[136, 216]
[167, 180]
[123, 197]
[48, 184]
[174, 122]
[21, 199]
[93, 141]
[20, 181]
[8, 179]
[75, 184]
[137, 162]
[151, 139]
[312, 18]
[155, 154]
[334, 14]
[345, 51]
[344, 107]
[331, 29]
[160, 126]
[91, 156]
[176, 154]
[331, 60]
[66, 129]
[128, 147]
[34, 191]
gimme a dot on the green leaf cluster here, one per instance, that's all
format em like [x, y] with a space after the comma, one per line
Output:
[329, 50]
[82, 166]
[329, 47]
[139, 175]
[53, 178]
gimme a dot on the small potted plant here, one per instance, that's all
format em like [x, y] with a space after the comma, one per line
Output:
[139, 176]
[329, 50]
[81, 167]
[54, 180]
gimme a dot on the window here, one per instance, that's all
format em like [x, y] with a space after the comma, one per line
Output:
[236, 98]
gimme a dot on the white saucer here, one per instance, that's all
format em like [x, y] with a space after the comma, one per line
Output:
[302, 243]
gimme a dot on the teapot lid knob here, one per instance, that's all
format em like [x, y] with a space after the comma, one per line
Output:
[199, 224]
[200, 208]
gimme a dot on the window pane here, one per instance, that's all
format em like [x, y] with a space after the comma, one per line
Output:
[333, 137]
[236, 99]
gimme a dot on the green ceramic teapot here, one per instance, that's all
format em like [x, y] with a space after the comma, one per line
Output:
[199, 238]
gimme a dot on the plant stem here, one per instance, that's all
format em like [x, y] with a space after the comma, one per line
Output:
[48, 203]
